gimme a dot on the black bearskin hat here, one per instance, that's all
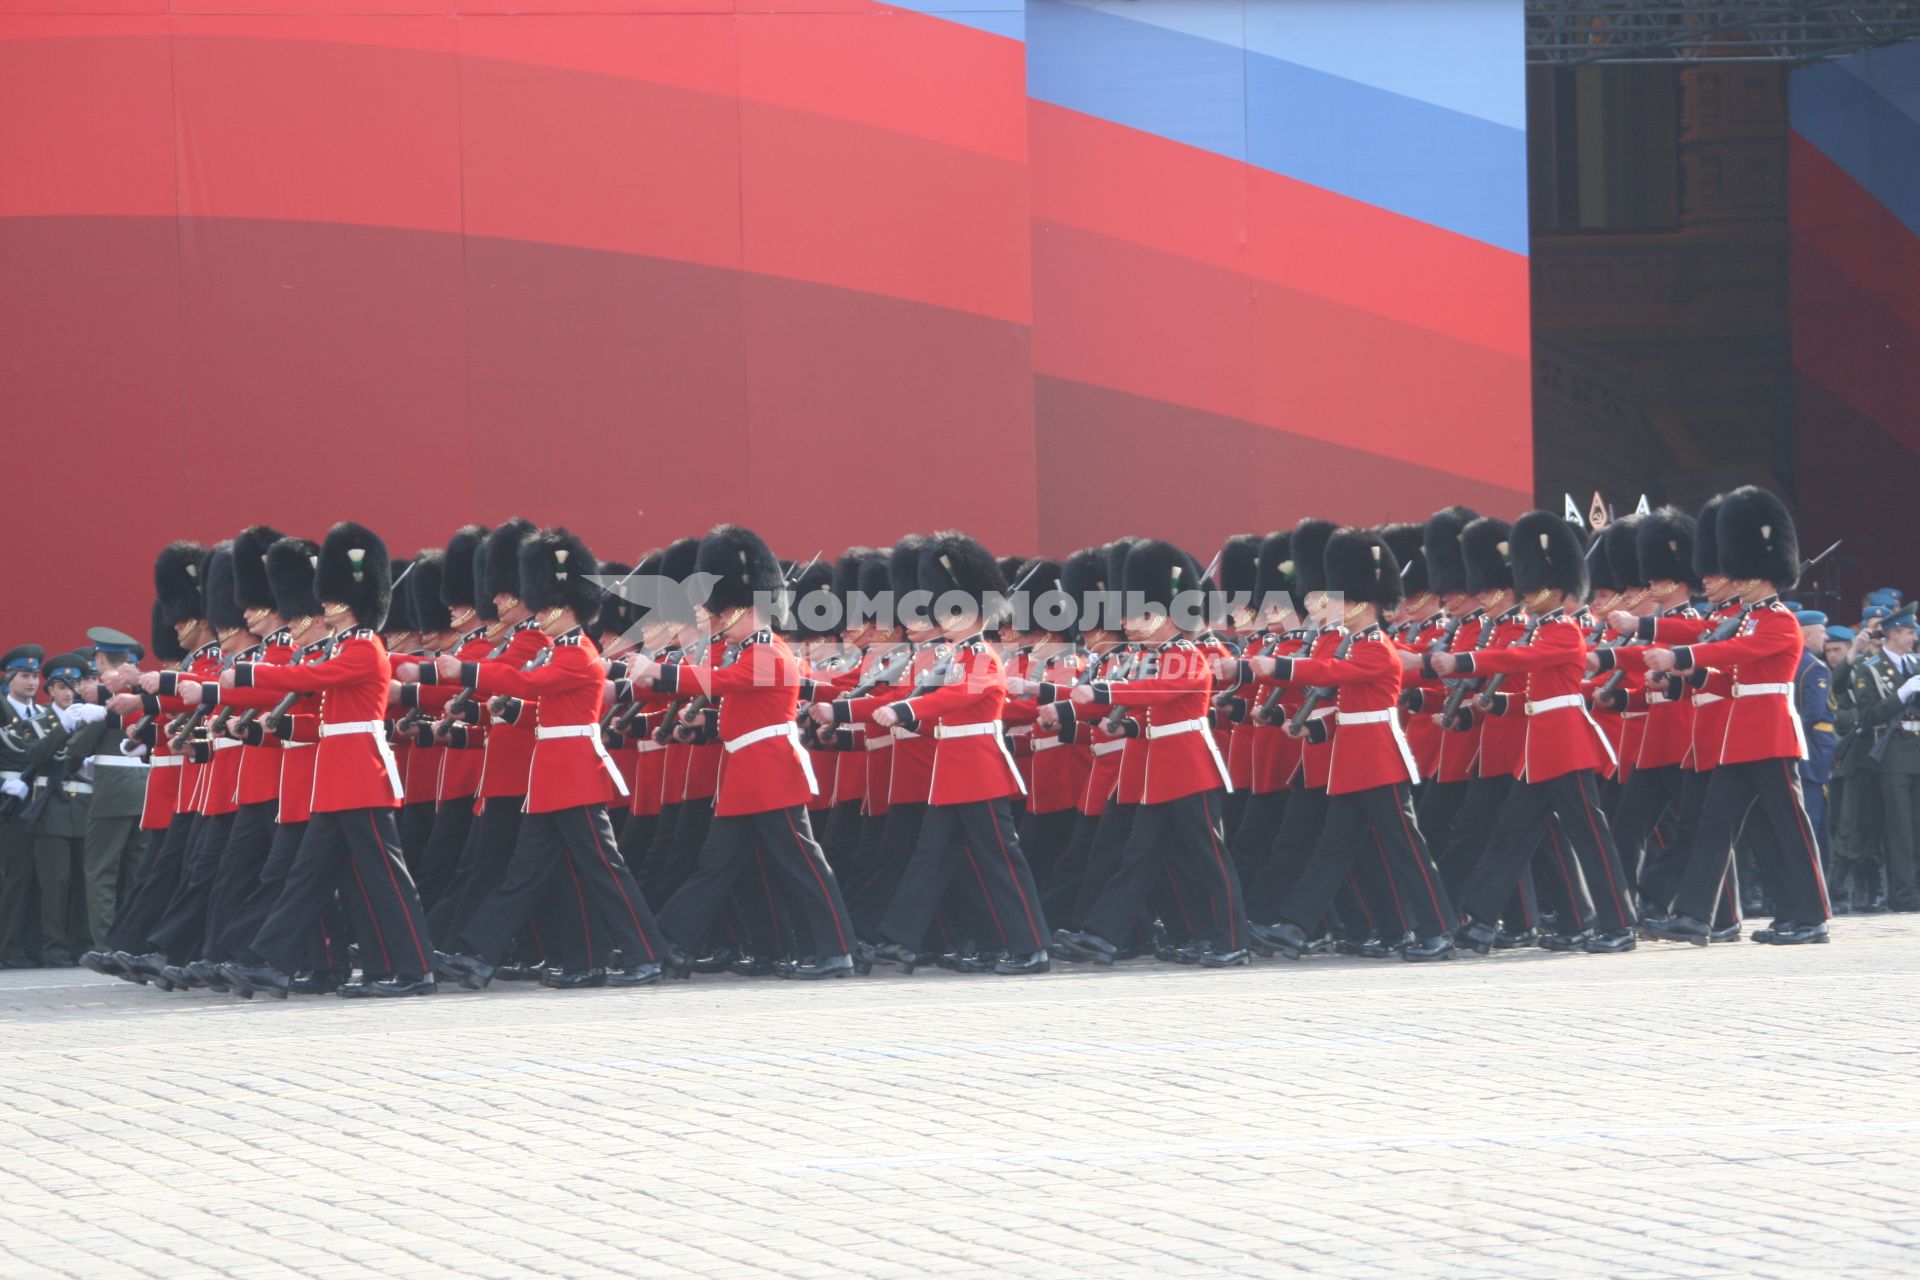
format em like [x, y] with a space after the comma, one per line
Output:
[1159, 577]
[951, 562]
[1599, 571]
[616, 614]
[1706, 540]
[815, 611]
[903, 564]
[458, 578]
[1408, 544]
[290, 564]
[1440, 547]
[1663, 544]
[876, 579]
[250, 583]
[1037, 579]
[846, 575]
[166, 645]
[1010, 567]
[1239, 564]
[1548, 555]
[355, 571]
[501, 576]
[400, 616]
[1273, 573]
[1360, 566]
[1620, 548]
[176, 580]
[743, 566]
[557, 572]
[681, 559]
[1310, 539]
[1117, 551]
[218, 586]
[1483, 552]
[1083, 579]
[1757, 538]
[424, 586]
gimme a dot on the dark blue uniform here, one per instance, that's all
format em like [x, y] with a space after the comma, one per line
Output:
[1814, 698]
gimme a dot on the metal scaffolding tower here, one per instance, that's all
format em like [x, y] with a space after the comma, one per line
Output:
[1578, 32]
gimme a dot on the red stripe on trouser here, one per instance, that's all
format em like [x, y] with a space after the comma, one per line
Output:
[766, 891]
[1801, 822]
[1606, 863]
[981, 880]
[1566, 877]
[1353, 887]
[399, 898]
[825, 896]
[1033, 927]
[1393, 889]
[379, 935]
[580, 897]
[593, 829]
[1420, 861]
[1234, 910]
[1179, 902]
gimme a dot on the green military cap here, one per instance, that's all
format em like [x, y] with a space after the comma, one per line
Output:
[108, 640]
[69, 668]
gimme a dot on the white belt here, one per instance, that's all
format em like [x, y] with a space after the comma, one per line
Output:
[1364, 717]
[9, 775]
[880, 743]
[591, 732]
[1760, 690]
[70, 787]
[226, 744]
[647, 744]
[1020, 731]
[1201, 727]
[899, 733]
[1041, 743]
[162, 762]
[786, 729]
[123, 762]
[1564, 702]
[966, 730]
[1108, 748]
[1321, 713]
[377, 729]
[1702, 699]
[1632, 715]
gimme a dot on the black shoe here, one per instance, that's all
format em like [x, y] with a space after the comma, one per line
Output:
[1876, 905]
[312, 983]
[1505, 940]
[639, 975]
[573, 979]
[1611, 943]
[1009, 965]
[677, 963]
[811, 967]
[719, 962]
[471, 972]
[1565, 941]
[413, 985]
[1081, 945]
[101, 962]
[1438, 947]
[249, 978]
[1383, 948]
[1286, 939]
[971, 961]
[1212, 959]
[1476, 936]
[1677, 928]
[1355, 947]
[177, 978]
[863, 953]
[902, 957]
[143, 968]
[1791, 933]
[1730, 933]
[355, 986]
[520, 971]
[205, 973]
[755, 966]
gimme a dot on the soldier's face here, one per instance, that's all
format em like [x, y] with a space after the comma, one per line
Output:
[23, 685]
[60, 694]
[1836, 652]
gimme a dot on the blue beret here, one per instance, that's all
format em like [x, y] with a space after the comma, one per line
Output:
[1876, 612]
[1811, 618]
[1839, 632]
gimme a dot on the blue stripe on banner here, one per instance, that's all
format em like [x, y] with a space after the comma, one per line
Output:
[1842, 108]
[1001, 17]
[1443, 167]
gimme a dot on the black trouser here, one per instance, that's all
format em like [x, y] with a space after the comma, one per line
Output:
[416, 825]
[483, 865]
[436, 867]
[249, 841]
[1293, 846]
[1785, 850]
[1233, 808]
[1259, 824]
[842, 837]
[326, 944]
[980, 836]
[1061, 887]
[182, 928]
[866, 859]
[1602, 898]
[1104, 857]
[1437, 807]
[1183, 835]
[636, 837]
[155, 881]
[574, 849]
[794, 863]
[1472, 830]
[356, 853]
[679, 854]
[1044, 838]
[1378, 821]
[1647, 795]
[1660, 878]
[899, 834]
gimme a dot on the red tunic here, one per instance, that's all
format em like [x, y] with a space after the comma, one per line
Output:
[961, 716]
[569, 767]
[1171, 701]
[1763, 660]
[1558, 734]
[764, 767]
[352, 769]
[1368, 749]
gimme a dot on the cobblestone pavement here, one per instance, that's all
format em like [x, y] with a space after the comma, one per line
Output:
[1740, 1111]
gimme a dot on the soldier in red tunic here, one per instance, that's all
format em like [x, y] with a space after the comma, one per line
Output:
[1759, 752]
[1563, 753]
[969, 817]
[351, 845]
[765, 778]
[1448, 777]
[1371, 772]
[565, 837]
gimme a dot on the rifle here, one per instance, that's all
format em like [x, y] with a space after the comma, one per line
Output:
[1319, 693]
[464, 699]
[1137, 665]
[1306, 650]
[1450, 710]
[1495, 682]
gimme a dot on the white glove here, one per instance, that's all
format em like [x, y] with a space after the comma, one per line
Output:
[85, 713]
[1911, 687]
[15, 788]
[134, 749]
